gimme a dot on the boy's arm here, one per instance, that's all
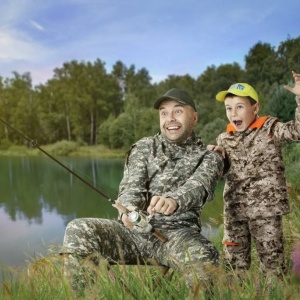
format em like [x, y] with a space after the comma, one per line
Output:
[289, 131]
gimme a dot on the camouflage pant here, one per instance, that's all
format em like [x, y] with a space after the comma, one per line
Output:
[268, 239]
[186, 249]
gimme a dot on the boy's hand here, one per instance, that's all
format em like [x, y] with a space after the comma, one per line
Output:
[296, 88]
[215, 148]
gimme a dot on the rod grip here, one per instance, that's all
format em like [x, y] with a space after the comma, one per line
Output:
[120, 207]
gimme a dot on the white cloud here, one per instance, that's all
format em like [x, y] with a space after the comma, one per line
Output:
[165, 37]
[36, 25]
[14, 46]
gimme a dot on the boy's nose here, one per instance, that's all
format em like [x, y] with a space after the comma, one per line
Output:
[234, 112]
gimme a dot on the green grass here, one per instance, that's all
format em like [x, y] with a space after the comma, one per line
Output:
[43, 278]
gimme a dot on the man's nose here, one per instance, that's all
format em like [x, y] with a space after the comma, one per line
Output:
[171, 117]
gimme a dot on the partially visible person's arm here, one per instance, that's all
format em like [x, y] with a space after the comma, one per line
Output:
[200, 187]
[132, 189]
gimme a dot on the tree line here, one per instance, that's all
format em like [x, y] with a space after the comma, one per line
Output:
[86, 104]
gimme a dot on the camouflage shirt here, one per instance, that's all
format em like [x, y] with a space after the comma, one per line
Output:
[186, 172]
[255, 184]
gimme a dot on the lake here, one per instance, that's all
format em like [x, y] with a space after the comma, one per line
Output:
[39, 197]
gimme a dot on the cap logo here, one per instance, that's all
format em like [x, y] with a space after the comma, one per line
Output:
[237, 86]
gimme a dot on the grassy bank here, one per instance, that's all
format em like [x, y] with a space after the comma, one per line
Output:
[43, 278]
[63, 148]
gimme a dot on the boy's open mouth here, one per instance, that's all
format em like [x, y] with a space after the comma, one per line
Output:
[237, 123]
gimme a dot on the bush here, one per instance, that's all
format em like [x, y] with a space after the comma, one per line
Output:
[121, 132]
[63, 148]
[211, 130]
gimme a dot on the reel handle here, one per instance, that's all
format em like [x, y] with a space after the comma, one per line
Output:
[159, 235]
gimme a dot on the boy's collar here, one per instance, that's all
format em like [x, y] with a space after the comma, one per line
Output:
[258, 123]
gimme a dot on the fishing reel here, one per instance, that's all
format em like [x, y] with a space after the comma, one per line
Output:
[140, 221]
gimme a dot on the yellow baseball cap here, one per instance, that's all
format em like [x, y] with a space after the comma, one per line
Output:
[239, 89]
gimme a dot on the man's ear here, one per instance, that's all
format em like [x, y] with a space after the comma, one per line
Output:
[196, 116]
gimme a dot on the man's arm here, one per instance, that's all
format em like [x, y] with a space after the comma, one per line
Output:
[132, 189]
[200, 187]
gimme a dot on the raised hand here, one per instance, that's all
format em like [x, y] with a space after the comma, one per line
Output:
[296, 88]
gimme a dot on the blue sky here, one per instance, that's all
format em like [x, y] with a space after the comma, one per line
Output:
[164, 36]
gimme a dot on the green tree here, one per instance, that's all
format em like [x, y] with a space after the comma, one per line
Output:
[260, 64]
[120, 132]
[104, 130]
[144, 120]
[134, 83]
[148, 123]
[282, 105]
[289, 58]
[212, 129]
[85, 95]
[209, 83]
[18, 107]
[185, 82]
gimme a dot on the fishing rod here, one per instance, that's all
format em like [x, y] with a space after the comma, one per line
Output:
[138, 218]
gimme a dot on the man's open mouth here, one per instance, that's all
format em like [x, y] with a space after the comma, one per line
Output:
[173, 127]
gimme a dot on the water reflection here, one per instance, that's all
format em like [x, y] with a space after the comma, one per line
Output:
[39, 198]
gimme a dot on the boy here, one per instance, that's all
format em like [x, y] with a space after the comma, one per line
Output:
[255, 192]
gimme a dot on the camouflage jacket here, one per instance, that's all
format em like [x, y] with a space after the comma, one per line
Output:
[255, 184]
[186, 172]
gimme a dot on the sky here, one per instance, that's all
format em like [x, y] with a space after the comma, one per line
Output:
[166, 37]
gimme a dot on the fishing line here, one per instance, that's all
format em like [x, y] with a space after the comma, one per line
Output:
[94, 178]
[35, 144]
[138, 218]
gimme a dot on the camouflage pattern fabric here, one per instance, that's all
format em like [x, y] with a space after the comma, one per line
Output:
[267, 236]
[188, 173]
[255, 183]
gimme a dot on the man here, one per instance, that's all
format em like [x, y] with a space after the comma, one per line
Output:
[171, 176]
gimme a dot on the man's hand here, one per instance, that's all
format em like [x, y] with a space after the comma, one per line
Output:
[215, 148]
[162, 205]
[124, 217]
[296, 88]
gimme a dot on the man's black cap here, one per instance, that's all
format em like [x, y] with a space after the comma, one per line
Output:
[177, 95]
